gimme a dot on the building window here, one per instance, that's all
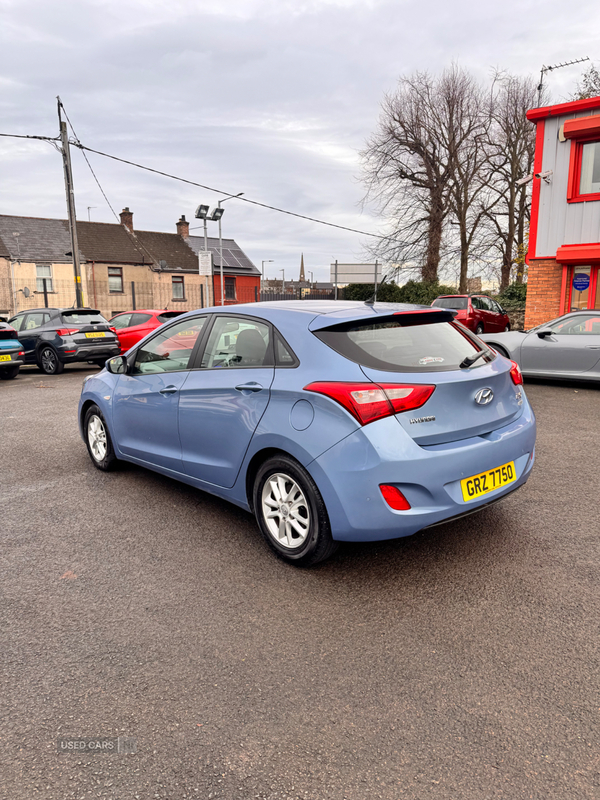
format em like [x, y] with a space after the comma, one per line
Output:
[230, 288]
[43, 271]
[584, 171]
[115, 280]
[584, 288]
[178, 287]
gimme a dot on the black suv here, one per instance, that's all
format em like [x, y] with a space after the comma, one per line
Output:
[53, 337]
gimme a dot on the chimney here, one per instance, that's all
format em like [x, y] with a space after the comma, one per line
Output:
[127, 218]
[183, 227]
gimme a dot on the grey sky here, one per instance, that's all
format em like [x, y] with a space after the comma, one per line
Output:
[273, 98]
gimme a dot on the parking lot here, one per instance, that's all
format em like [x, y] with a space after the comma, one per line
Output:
[462, 662]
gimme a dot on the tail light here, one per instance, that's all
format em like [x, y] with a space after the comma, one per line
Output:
[67, 331]
[394, 497]
[516, 374]
[370, 401]
[21, 352]
[114, 330]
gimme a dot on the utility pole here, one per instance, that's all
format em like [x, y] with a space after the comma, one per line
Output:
[64, 138]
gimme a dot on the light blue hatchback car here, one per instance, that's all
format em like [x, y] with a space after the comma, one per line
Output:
[330, 421]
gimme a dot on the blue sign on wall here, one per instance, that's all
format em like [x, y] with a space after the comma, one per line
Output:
[581, 282]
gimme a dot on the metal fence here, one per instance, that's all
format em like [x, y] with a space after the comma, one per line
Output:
[51, 293]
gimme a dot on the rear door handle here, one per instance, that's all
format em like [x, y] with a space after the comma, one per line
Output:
[169, 390]
[592, 346]
[249, 387]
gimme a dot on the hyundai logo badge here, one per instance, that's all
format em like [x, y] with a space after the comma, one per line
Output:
[484, 396]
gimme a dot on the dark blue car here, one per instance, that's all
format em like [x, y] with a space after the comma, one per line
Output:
[329, 421]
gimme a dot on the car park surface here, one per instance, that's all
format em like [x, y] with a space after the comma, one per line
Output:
[332, 422]
[566, 347]
[457, 663]
[53, 337]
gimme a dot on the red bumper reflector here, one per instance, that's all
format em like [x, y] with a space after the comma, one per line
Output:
[394, 497]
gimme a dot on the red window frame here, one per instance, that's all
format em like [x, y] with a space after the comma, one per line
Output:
[573, 195]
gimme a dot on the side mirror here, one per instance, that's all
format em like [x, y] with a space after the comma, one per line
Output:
[117, 365]
[544, 332]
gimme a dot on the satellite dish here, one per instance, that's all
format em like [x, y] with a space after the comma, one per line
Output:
[26, 292]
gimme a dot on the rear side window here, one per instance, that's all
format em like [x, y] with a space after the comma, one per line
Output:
[393, 347]
[458, 303]
[139, 319]
[83, 318]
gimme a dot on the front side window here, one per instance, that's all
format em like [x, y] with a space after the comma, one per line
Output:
[178, 287]
[170, 350]
[43, 271]
[122, 321]
[115, 280]
[581, 324]
[17, 322]
[237, 342]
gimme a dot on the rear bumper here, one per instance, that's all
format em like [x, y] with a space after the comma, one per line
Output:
[350, 473]
[90, 353]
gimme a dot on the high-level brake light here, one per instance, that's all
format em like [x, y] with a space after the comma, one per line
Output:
[368, 402]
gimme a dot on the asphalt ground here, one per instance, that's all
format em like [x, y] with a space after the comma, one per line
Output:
[461, 663]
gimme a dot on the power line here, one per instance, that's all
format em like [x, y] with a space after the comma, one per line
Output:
[22, 136]
[230, 194]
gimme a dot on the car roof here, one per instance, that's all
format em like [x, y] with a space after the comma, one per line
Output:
[147, 311]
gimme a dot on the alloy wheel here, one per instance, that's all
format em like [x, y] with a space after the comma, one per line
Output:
[97, 437]
[49, 361]
[285, 510]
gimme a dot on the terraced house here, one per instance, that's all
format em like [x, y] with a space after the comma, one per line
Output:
[121, 268]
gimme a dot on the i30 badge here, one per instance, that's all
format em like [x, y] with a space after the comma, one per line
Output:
[484, 396]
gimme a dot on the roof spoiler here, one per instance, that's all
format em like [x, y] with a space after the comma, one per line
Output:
[413, 316]
[79, 310]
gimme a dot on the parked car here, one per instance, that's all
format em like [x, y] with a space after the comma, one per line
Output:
[53, 337]
[329, 421]
[11, 352]
[566, 347]
[477, 312]
[131, 326]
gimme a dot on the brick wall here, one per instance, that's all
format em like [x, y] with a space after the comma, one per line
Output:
[544, 280]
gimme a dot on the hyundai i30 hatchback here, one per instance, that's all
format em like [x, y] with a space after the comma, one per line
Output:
[330, 421]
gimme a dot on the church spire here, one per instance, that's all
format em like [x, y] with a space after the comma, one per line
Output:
[302, 278]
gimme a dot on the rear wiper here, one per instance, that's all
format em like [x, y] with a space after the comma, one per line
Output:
[472, 359]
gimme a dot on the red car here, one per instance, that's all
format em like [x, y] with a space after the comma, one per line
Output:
[131, 326]
[477, 312]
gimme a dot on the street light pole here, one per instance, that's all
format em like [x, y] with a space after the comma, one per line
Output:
[282, 281]
[221, 244]
[262, 271]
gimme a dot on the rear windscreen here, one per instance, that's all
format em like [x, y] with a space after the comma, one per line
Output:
[83, 318]
[168, 315]
[392, 347]
[451, 302]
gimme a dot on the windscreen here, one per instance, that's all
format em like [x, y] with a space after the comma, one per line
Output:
[458, 303]
[392, 347]
[82, 317]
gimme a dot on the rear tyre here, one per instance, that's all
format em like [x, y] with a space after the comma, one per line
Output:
[97, 439]
[49, 362]
[9, 374]
[501, 350]
[479, 329]
[291, 513]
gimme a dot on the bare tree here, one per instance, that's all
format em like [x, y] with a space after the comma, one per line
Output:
[407, 170]
[511, 149]
[589, 86]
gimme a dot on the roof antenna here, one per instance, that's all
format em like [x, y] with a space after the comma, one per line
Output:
[372, 300]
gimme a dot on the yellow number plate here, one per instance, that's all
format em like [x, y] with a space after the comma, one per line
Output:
[5, 358]
[94, 335]
[478, 485]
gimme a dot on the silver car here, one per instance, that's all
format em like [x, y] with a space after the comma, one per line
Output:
[566, 347]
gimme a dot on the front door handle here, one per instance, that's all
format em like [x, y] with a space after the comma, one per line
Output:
[249, 387]
[592, 347]
[169, 390]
